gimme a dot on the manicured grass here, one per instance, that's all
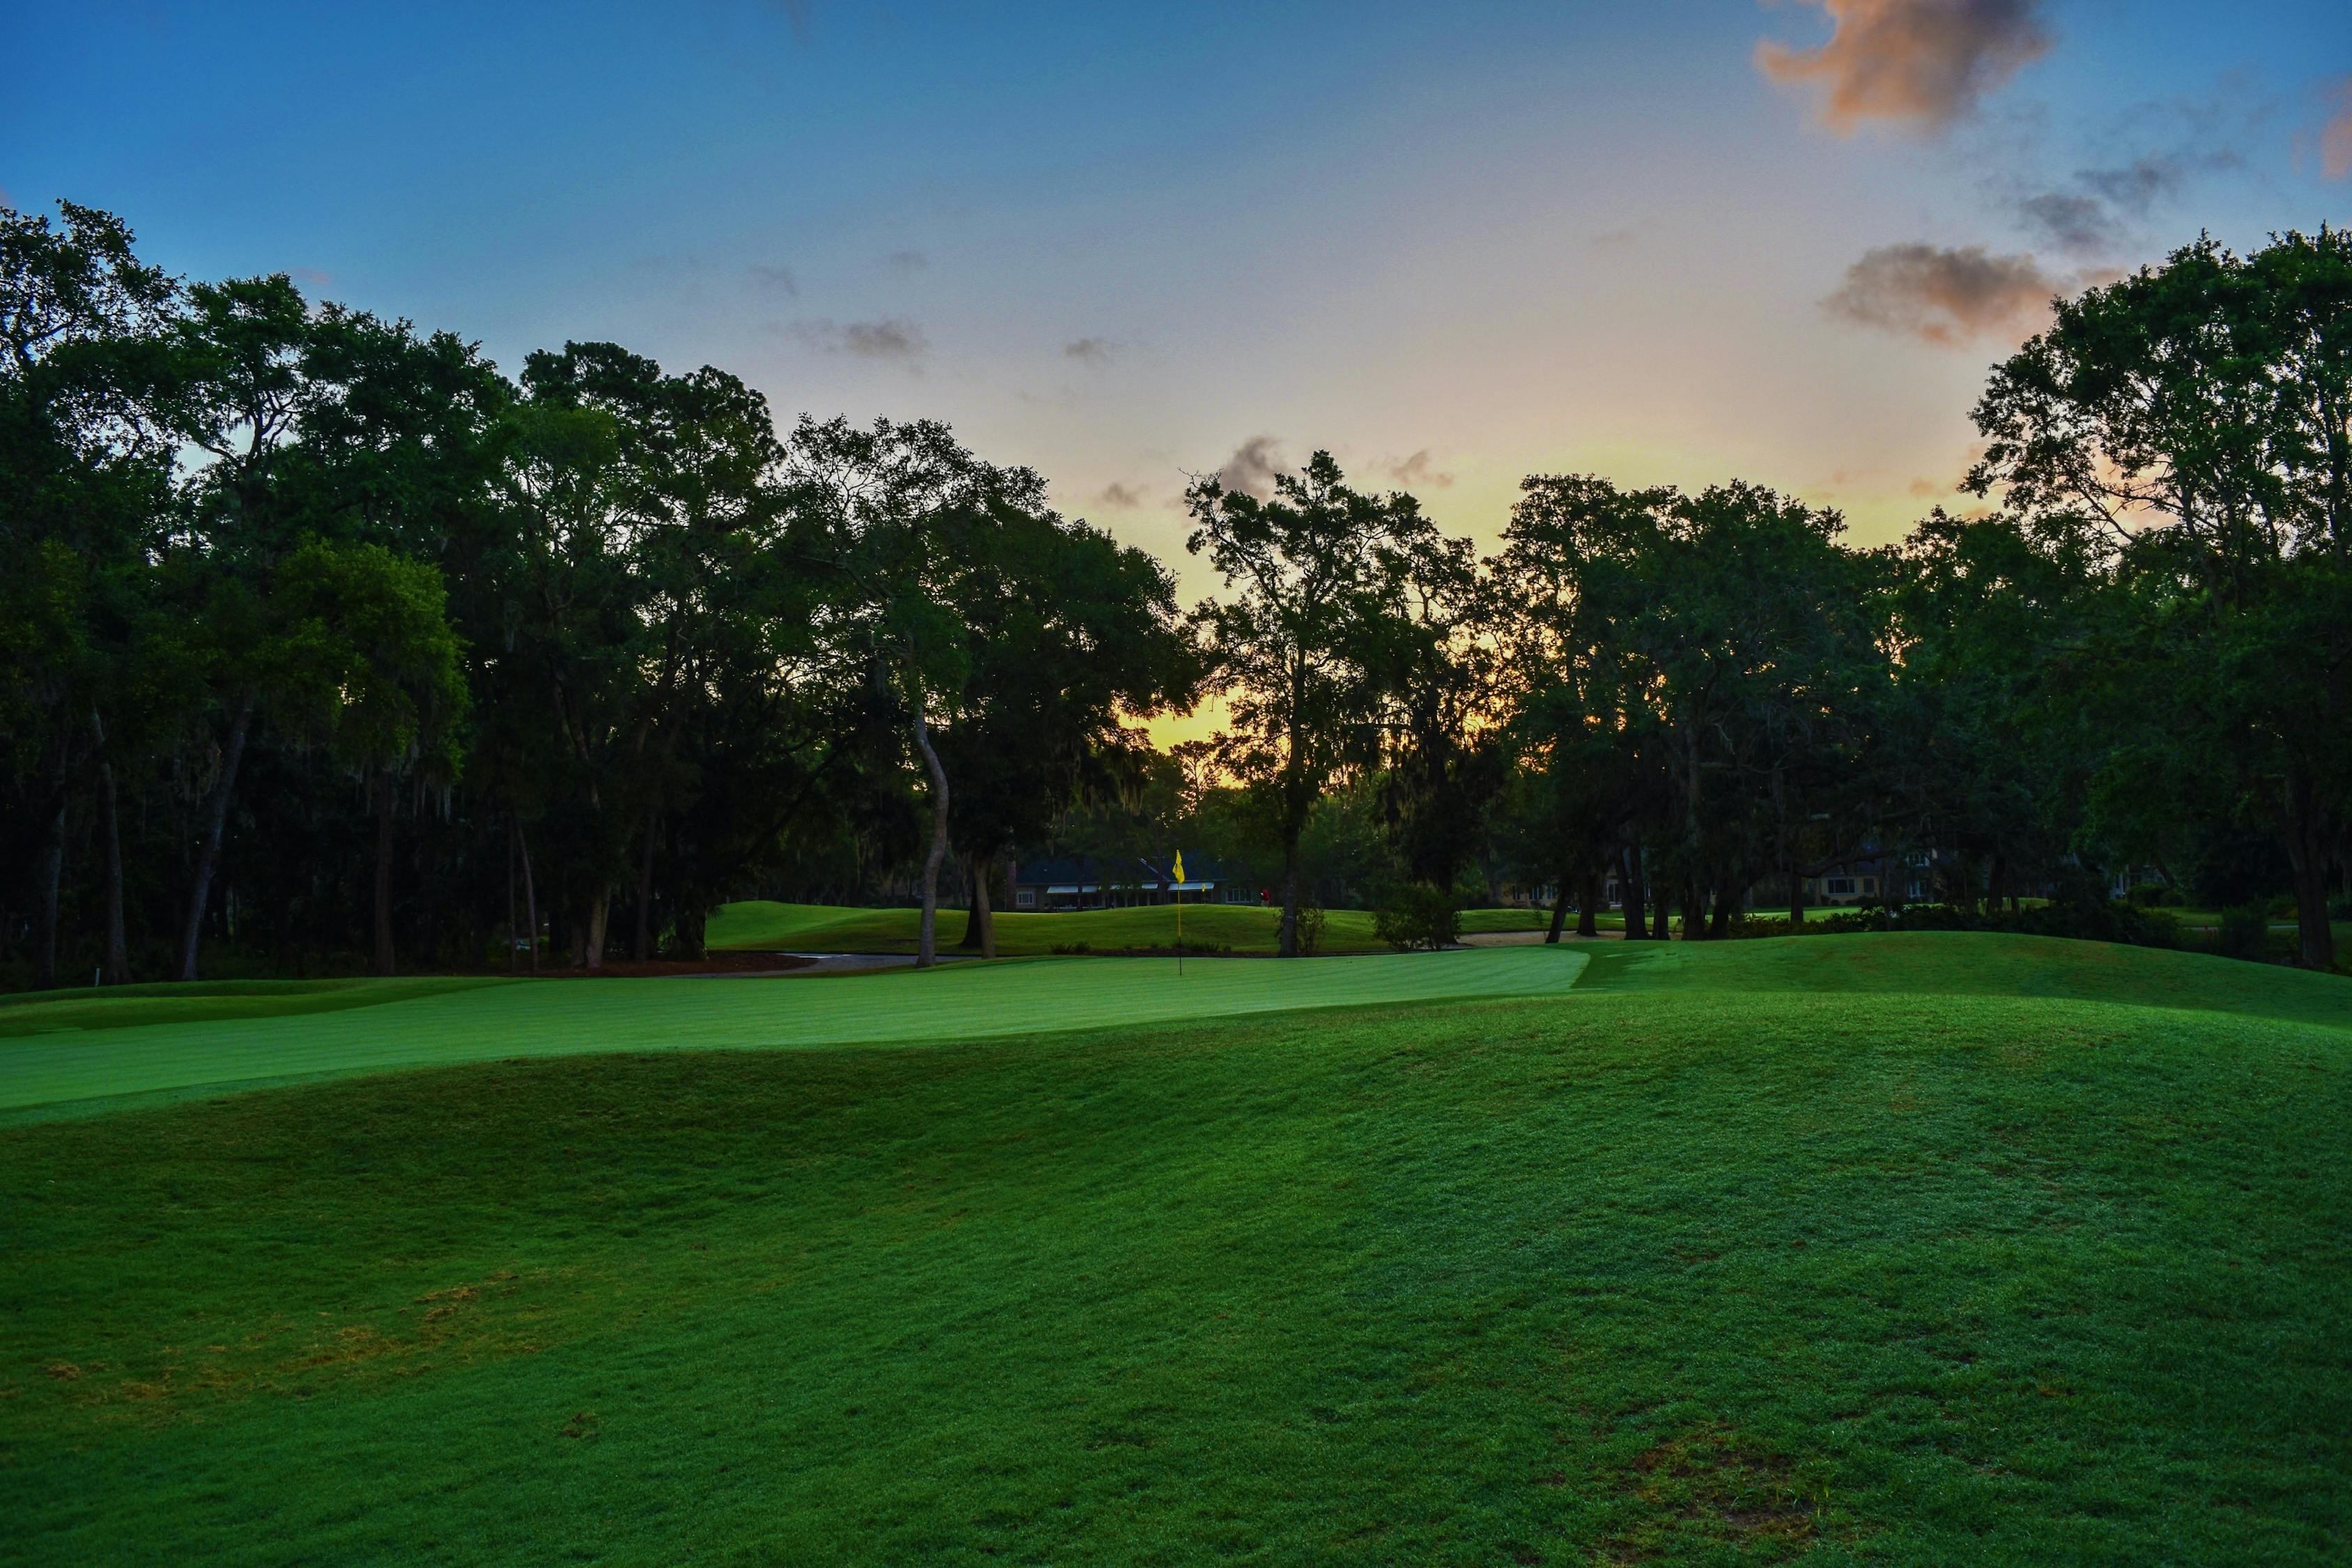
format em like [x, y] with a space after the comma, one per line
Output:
[206, 1001]
[1885, 1248]
[413, 1024]
[1244, 927]
[1974, 964]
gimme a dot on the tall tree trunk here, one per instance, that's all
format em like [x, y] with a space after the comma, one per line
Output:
[1796, 896]
[117, 969]
[52, 872]
[1694, 902]
[2309, 839]
[1286, 943]
[692, 927]
[1587, 902]
[1632, 898]
[1559, 907]
[383, 963]
[511, 960]
[982, 873]
[200, 892]
[1664, 928]
[1718, 926]
[926, 945]
[529, 894]
[641, 944]
[599, 911]
[972, 922]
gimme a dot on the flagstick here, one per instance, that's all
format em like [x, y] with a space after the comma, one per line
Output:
[1179, 932]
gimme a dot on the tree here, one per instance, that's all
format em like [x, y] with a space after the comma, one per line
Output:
[84, 473]
[909, 511]
[2191, 427]
[1069, 636]
[364, 651]
[1318, 576]
[238, 393]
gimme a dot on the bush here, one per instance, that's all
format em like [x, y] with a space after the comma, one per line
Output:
[2080, 919]
[1310, 929]
[2149, 895]
[2245, 931]
[1418, 916]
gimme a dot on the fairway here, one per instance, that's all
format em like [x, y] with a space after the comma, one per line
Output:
[423, 1023]
[1902, 1248]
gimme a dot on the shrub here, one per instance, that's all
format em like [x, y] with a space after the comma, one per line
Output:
[2147, 895]
[1417, 916]
[2083, 920]
[1310, 929]
[2245, 931]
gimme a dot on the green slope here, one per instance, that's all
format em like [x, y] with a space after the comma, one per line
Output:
[1697, 1267]
[824, 928]
[405, 1028]
[1977, 963]
[205, 1001]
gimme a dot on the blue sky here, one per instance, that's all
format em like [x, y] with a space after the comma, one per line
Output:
[1455, 244]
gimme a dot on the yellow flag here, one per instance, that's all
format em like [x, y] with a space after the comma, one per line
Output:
[1180, 865]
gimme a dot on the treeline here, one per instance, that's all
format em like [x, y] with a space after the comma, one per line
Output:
[324, 638]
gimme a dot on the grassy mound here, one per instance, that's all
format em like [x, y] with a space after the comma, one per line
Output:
[1244, 927]
[1726, 1258]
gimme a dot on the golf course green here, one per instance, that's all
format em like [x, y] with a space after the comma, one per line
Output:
[1243, 928]
[1932, 1248]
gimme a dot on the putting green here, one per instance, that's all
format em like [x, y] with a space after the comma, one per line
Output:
[1243, 928]
[90, 1065]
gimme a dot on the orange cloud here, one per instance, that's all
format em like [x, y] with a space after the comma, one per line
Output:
[1944, 296]
[1917, 62]
[2336, 136]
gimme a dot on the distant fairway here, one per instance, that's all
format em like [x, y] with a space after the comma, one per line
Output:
[1245, 927]
[378, 1025]
[1906, 1249]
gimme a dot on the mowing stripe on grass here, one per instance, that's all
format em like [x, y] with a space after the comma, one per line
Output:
[570, 1016]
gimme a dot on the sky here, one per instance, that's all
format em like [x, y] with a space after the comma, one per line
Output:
[1667, 241]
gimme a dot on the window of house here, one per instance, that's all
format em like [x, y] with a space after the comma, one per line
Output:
[1025, 898]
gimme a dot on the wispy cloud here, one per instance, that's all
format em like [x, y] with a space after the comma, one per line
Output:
[906, 260]
[777, 278]
[796, 14]
[1418, 472]
[1090, 350]
[1916, 63]
[1127, 497]
[1253, 467]
[2336, 135]
[2077, 224]
[2138, 186]
[1945, 297]
[1627, 237]
[893, 338]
